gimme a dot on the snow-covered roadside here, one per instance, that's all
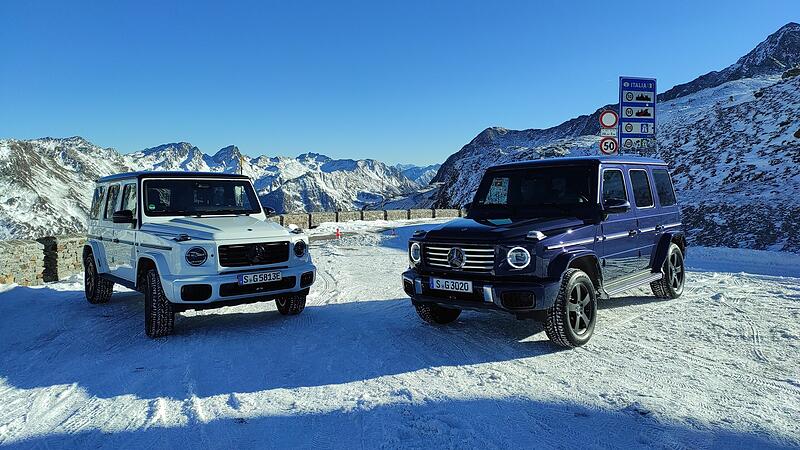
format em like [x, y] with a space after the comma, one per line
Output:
[358, 369]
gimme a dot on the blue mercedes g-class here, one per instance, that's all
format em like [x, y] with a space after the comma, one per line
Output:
[545, 239]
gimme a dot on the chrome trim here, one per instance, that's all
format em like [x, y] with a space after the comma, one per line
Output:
[571, 243]
[673, 225]
[611, 237]
[418, 285]
[648, 230]
[535, 234]
[467, 249]
[488, 297]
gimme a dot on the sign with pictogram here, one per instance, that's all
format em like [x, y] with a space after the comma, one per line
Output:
[637, 107]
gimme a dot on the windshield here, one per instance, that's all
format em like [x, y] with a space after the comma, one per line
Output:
[537, 192]
[192, 197]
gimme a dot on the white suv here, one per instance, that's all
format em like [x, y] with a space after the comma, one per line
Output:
[191, 240]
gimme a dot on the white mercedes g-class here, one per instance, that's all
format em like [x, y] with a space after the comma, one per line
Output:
[190, 240]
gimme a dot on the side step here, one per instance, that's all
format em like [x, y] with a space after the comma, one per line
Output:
[633, 284]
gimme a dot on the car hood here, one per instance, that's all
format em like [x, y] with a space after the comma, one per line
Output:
[495, 230]
[217, 228]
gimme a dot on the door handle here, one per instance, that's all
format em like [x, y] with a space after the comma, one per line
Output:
[659, 228]
[115, 240]
[632, 233]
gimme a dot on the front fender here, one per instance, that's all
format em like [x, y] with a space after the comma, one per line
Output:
[562, 262]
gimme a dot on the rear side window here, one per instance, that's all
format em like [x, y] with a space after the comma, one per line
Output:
[664, 188]
[642, 194]
[129, 198]
[111, 201]
[97, 202]
[613, 185]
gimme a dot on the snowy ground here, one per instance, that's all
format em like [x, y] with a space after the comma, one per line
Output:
[717, 368]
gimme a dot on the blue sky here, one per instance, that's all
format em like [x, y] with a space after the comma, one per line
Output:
[400, 81]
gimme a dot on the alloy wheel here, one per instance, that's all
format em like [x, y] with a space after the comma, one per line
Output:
[580, 309]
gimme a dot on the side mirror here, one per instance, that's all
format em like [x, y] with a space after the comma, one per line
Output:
[616, 206]
[124, 216]
[268, 210]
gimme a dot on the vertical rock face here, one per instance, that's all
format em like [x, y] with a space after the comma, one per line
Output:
[729, 136]
[46, 184]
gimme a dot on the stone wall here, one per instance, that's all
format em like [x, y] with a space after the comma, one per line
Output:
[63, 256]
[21, 262]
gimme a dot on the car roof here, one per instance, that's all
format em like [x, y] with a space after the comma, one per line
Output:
[170, 174]
[621, 159]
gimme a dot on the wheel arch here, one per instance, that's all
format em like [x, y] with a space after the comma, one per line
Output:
[93, 248]
[660, 255]
[149, 261]
[584, 260]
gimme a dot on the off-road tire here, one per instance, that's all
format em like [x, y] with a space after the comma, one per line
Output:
[291, 305]
[666, 287]
[435, 314]
[558, 323]
[98, 290]
[159, 317]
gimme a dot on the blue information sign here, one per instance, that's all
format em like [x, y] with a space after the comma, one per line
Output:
[637, 113]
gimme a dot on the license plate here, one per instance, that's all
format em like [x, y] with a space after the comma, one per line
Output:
[255, 278]
[451, 285]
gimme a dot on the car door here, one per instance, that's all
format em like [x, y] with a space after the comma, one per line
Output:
[647, 215]
[125, 235]
[107, 230]
[619, 253]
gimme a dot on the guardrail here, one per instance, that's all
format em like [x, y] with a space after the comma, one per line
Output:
[52, 258]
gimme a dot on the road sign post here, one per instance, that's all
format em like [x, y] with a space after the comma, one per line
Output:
[637, 109]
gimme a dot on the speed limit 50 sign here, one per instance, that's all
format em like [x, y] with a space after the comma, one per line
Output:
[609, 146]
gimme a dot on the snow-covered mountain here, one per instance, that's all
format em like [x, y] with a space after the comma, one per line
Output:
[46, 184]
[422, 175]
[731, 137]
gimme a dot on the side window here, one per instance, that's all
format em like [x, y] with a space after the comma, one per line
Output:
[664, 189]
[97, 202]
[614, 185]
[642, 194]
[111, 201]
[129, 198]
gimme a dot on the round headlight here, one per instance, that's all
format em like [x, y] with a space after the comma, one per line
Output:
[518, 258]
[300, 248]
[196, 256]
[415, 252]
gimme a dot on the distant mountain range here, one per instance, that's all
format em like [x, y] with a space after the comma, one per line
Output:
[46, 184]
[732, 139]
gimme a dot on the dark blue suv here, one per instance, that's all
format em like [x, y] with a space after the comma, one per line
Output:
[545, 239]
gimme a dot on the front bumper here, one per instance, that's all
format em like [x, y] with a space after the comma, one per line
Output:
[488, 294]
[224, 289]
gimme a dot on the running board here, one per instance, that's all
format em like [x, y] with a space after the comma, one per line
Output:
[634, 284]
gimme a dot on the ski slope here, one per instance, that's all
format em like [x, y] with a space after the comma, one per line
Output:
[717, 368]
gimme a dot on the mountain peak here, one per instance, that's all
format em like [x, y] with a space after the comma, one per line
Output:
[229, 153]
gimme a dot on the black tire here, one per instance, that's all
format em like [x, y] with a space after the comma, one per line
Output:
[98, 290]
[570, 321]
[291, 304]
[671, 284]
[435, 314]
[159, 317]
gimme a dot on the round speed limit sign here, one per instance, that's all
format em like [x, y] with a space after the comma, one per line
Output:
[609, 146]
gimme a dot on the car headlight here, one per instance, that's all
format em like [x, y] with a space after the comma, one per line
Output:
[300, 248]
[518, 258]
[196, 256]
[415, 252]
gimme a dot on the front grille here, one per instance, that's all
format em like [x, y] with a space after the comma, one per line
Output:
[230, 289]
[243, 255]
[479, 259]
